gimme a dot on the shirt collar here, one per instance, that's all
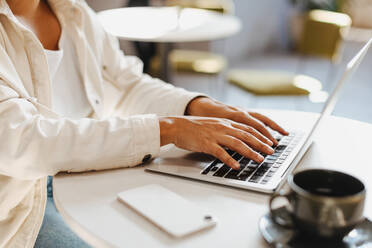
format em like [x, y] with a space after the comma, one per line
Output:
[5, 10]
[58, 6]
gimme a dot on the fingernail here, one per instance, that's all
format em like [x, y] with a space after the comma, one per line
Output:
[270, 142]
[260, 158]
[271, 150]
[237, 166]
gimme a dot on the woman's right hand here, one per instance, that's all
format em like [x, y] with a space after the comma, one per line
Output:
[211, 135]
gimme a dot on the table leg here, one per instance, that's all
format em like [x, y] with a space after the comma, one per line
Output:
[165, 67]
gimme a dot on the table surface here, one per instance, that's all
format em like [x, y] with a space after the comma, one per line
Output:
[168, 24]
[88, 203]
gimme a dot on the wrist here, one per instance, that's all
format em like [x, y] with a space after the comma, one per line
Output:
[167, 130]
[193, 108]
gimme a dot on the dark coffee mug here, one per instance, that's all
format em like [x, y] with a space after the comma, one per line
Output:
[323, 203]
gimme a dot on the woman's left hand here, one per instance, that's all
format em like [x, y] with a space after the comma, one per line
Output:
[204, 106]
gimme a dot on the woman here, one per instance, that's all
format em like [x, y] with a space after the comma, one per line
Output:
[71, 101]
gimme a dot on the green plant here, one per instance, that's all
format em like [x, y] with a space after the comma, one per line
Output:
[331, 5]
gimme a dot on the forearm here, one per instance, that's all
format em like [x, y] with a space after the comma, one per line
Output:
[37, 146]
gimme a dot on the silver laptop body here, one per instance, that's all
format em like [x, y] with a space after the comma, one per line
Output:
[267, 176]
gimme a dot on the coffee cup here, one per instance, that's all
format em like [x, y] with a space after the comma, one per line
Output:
[321, 203]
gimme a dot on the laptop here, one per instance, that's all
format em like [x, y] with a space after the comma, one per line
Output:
[272, 172]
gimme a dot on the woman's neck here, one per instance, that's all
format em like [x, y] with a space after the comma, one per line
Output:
[24, 8]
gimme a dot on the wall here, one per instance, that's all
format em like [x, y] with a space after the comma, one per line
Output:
[264, 27]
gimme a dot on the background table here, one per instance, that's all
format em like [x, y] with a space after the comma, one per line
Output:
[168, 25]
[87, 201]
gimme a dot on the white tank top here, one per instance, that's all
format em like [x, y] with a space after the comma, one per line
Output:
[68, 93]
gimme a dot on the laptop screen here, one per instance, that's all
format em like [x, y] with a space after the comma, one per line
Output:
[328, 108]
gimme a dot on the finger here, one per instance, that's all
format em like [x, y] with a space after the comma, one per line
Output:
[253, 131]
[267, 121]
[222, 155]
[250, 140]
[259, 127]
[240, 147]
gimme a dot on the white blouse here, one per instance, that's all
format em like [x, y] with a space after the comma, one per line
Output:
[68, 93]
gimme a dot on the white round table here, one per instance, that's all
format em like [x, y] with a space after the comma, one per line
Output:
[88, 204]
[168, 25]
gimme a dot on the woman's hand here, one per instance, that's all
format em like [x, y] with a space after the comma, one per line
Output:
[204, 106]
[210, 135]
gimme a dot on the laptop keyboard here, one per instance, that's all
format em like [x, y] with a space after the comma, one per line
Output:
[251, 171]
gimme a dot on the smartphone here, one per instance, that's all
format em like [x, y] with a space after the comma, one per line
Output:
[168, 211]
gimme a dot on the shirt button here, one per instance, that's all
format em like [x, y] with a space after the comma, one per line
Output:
[146, 158]
[96, 101]
[104, 67]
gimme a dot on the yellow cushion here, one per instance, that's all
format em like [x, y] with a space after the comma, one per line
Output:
[197, 61]
[323, 33]
[264, 82]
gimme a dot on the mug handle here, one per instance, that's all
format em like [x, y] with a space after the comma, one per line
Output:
[280, 217]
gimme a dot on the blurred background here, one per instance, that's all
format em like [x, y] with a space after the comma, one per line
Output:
[282, 54]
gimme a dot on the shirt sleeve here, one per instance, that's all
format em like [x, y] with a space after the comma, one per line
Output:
[142, 93]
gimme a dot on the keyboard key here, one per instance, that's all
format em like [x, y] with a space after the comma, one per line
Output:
[253, 165]
[212, 167]
[280, 148]
[265, 180]
[230, 152]
[233, 174]
[244, 161]
[263, 154]
[222, 171]
[270, 174]
[265, 165]
[245, 174]
[206, 170]
[271, 157]
[259, 173]
[237, 156]
[254, 179]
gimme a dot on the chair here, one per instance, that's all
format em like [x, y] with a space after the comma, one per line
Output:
[322, 36]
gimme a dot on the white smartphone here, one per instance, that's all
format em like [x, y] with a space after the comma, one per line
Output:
[175, 215]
